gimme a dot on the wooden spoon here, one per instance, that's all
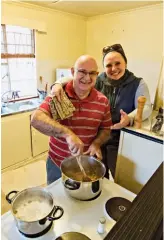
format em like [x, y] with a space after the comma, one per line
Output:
[85, 177]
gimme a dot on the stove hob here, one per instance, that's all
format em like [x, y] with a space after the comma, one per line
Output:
[116, 207]
[37, 234]
[72, 236]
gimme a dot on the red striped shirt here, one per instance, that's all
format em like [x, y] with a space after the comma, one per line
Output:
[91, 115]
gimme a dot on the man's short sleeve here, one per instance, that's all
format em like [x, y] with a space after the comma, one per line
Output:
[45, 105]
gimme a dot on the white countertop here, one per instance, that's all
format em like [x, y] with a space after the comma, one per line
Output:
[146, 127]
[79, 216]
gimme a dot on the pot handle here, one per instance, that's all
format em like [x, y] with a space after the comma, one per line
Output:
[95, 186]
[8, 196]
[56, 209]
[71, 185]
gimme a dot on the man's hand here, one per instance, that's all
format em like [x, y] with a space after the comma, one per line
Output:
[94, 149]
[75, 145]
[125, 120]
[57, 91]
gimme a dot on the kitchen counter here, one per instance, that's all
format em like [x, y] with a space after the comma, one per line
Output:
[21, 106]
[79, 216]
[139, 155]
[145, 131]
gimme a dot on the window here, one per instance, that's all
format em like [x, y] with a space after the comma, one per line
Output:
[18, 62]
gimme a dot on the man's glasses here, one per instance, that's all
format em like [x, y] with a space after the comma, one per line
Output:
[84, 73]
[114, 47]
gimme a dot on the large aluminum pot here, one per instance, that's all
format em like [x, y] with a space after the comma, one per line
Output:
[33, 210]
[73, 182]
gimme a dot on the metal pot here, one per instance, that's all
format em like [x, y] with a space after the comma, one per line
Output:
[78, 188]
[72, 236]
[33, 210]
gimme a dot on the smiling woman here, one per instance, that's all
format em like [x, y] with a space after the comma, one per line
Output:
[18, 62]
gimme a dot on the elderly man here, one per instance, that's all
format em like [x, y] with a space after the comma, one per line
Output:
[122, 88]
[86, 130]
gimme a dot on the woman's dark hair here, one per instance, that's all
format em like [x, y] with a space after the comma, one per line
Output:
[114, 48]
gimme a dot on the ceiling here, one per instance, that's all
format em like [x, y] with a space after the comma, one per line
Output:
[93, 8]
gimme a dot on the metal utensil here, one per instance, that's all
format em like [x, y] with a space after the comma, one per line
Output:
[28, 222]
[85, 177]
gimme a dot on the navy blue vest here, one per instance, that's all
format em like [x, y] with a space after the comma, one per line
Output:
[121, 96]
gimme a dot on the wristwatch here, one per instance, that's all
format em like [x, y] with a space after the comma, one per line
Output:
[54, 84]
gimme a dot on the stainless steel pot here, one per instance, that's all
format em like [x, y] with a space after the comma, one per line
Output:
[33, 210]
[78, 188]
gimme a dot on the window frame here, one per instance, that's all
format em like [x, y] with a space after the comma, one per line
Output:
[9, 55]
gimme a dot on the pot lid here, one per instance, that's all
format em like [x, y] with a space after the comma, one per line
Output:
[72, 235]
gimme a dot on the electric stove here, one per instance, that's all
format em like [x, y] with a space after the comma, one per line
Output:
[79, 216]
[116, 207]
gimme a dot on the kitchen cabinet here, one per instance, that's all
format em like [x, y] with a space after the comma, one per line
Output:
[39, 142]
[20, 141]
[16, 139]
[140, 154]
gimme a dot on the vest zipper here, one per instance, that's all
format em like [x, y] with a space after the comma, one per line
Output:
[116, 98]
[114, 90]
[113, 97]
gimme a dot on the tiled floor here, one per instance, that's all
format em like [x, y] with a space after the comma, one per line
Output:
[30, 175]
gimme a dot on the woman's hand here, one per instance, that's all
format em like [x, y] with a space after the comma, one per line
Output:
[125, 120]
[94, 150]
[57, 91]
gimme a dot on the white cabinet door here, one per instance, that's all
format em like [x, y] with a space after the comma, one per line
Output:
[39, 142]
[16, 139]
[138, 159]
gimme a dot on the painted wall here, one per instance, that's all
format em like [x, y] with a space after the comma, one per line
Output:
[69, 36]
[139, 32]
[63, 42]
